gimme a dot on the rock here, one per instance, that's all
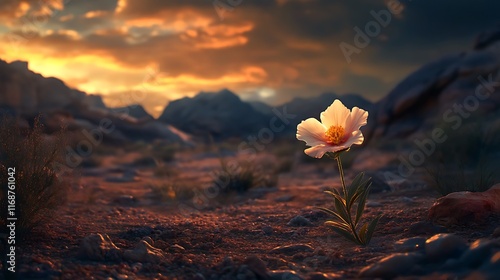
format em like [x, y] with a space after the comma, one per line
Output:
[410, 244]
[126, 200]
[285, 198]
[466, 207]
[496, 232]
[284, 275]
[257, 266]
[479, 252]
[144, 253]
[99, 247]
[177, 248]
[392, 266]
[433, 89]
[149, 240]
[378, 181]
[425, 227]
[323, 276]
[299, 221]
[292, 249]
[268, 230]
[244, 273]
[373, 204]
[444, 246]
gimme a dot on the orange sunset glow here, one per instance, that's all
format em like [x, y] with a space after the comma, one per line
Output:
[269, 51]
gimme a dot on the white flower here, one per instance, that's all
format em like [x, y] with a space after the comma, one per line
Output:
[337, 131]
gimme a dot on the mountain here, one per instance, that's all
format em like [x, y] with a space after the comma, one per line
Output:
[446, 91]
[26, 94]
[306, 108]
[214, 114]
[135, 110]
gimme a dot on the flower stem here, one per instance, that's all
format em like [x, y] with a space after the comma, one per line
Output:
[341, 171]
[344, 189]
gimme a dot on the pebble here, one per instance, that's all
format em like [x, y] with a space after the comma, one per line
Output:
[406, 199]
[284, 274]
[373, 204]
[292, 249]
[443, 246]
[125, 200]
[268, 230]
[392, 266]
[285, 198]
[299, 221]
[323, 276]
[99, 247]
[143, 252]
[479, 251]
[148, 240]
[256, 265]
[177, 248]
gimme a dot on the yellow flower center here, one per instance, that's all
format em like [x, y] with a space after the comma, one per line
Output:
[335, 135]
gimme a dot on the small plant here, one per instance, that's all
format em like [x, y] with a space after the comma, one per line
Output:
[38, 189]
[337, 132]
[241, 177]
[465, 161]
[172, 191]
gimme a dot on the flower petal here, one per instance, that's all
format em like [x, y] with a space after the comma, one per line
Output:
[335, 114]
[311, 131]
[356, 138]
[357, 118]
[319, 150]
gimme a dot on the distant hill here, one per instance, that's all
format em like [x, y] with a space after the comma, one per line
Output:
[135, 110]
[214, 114]
[26, 94]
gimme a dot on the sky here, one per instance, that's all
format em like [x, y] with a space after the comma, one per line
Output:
[151, 51]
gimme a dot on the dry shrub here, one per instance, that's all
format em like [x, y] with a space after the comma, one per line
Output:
[242, 177]
[38, 189]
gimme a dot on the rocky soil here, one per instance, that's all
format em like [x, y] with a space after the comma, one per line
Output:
[116, 229]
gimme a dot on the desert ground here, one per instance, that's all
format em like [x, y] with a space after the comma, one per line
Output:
[131, 217]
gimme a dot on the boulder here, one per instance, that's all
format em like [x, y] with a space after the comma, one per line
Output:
[418, 102]
[466, 207]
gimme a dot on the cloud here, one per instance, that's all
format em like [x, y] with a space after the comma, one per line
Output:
[288, 46]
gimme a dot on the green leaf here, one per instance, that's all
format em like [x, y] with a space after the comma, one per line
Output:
[333, 213]
[346, 234]
[371, 229]
[353, 188]
[362, 233]
[336, 195]
[338, 225]
[361, 205]
[341, 210]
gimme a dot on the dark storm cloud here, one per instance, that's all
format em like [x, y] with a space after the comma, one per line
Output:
[290, 46]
